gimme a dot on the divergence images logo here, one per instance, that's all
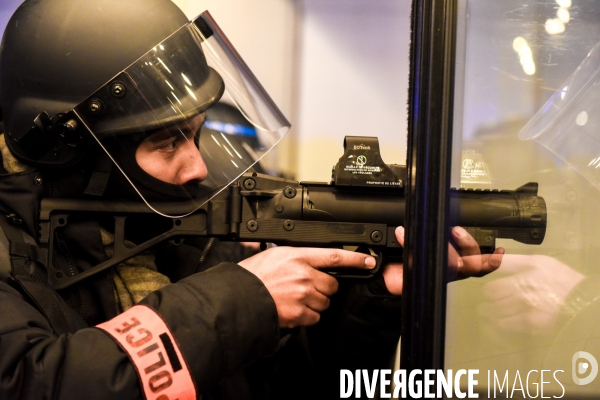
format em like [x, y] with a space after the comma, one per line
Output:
[581, 367]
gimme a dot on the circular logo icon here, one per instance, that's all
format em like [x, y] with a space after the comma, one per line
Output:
[590, 365]
[361, 160]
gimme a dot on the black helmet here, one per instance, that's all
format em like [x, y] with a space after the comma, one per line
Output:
[56, 53]
[78, 72]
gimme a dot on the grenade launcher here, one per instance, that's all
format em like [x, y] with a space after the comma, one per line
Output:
[361, 206]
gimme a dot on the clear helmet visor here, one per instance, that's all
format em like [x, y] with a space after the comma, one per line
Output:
[150, 119]
[568, 123]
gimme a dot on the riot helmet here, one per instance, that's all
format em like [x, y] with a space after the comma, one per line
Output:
[76, 74]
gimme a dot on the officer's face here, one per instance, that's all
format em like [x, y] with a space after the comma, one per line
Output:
[171, 155]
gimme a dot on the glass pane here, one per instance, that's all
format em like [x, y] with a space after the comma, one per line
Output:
[528, 109]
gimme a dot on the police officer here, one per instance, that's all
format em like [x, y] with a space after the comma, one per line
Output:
[105, 100]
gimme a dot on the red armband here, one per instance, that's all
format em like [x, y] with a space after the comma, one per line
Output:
[145, 337]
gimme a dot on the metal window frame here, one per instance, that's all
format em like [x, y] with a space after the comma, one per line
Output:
[429, 157]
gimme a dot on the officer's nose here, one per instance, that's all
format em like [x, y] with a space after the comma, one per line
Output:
[192, 167]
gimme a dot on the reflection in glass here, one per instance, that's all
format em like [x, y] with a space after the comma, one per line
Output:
[531, 67]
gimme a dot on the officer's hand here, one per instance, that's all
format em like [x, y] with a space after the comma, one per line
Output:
[300, 291]
[470, 261]
[393, 273]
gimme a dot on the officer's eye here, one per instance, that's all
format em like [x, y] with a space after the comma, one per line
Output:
[169, 139]
[165, 141]
[169, 145]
